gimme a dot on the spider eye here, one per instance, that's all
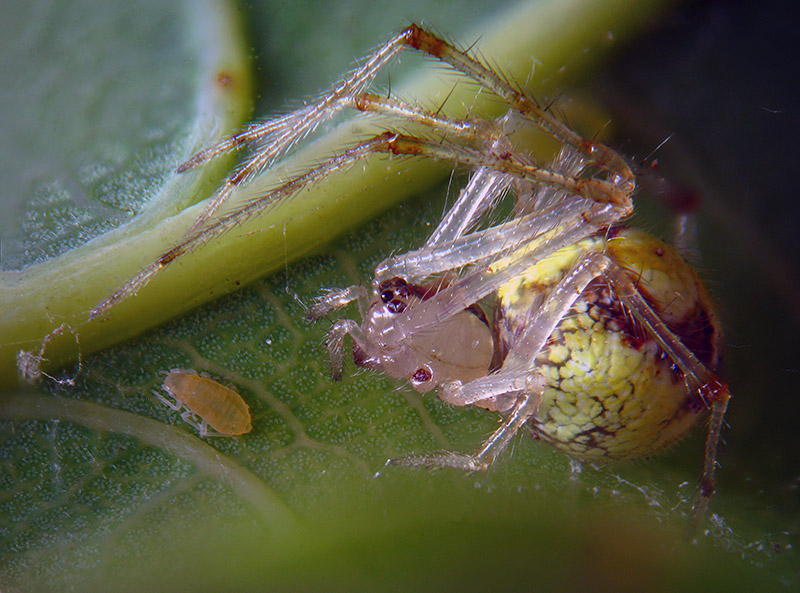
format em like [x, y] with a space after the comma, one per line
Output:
[422, 375]
[396, 283]
[387, 295]
[396, 306]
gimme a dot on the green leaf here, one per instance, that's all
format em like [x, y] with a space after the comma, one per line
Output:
[104, 488]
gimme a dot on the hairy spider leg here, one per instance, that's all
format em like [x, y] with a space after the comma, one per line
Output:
[713, 391]
[485, 184]
[604, 157]
[277, 136]
[525, 406]
[541, 233]
[222, 224]
[387, 142]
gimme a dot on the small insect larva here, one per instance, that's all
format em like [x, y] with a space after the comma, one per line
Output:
[206, 403]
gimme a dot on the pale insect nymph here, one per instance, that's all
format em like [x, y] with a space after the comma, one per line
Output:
[204, 403]
[603, 342]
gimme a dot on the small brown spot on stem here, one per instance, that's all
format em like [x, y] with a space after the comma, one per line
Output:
[225, 79]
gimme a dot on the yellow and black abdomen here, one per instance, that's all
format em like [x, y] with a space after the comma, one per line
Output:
[612, 392]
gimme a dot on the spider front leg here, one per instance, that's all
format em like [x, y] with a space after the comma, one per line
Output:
[275, 137]
[336, 299]
[623, 183]
[335, 344]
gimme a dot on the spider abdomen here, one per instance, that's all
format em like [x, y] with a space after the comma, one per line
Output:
[612, 392]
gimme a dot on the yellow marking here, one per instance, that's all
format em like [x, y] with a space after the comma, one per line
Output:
[611, 394]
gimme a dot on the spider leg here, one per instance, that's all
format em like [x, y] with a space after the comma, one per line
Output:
[516, 387]
[709, 388]
[275, 137]
[488, 184]
[493, 390]
[623, 179]
[335, 343]
[387, 143]
[593, 188]
[484, 190]
[335, 299]
[540, 234]
[525, 406]
[222, 224]
[485, 187]
[279, 135]
[439, 123]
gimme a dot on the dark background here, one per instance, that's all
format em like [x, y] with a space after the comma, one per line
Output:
[721, 79]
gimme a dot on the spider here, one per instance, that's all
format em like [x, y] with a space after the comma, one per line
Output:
[602, 342]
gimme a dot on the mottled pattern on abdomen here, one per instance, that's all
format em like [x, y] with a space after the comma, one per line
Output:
[608, 395]
[612, 393]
